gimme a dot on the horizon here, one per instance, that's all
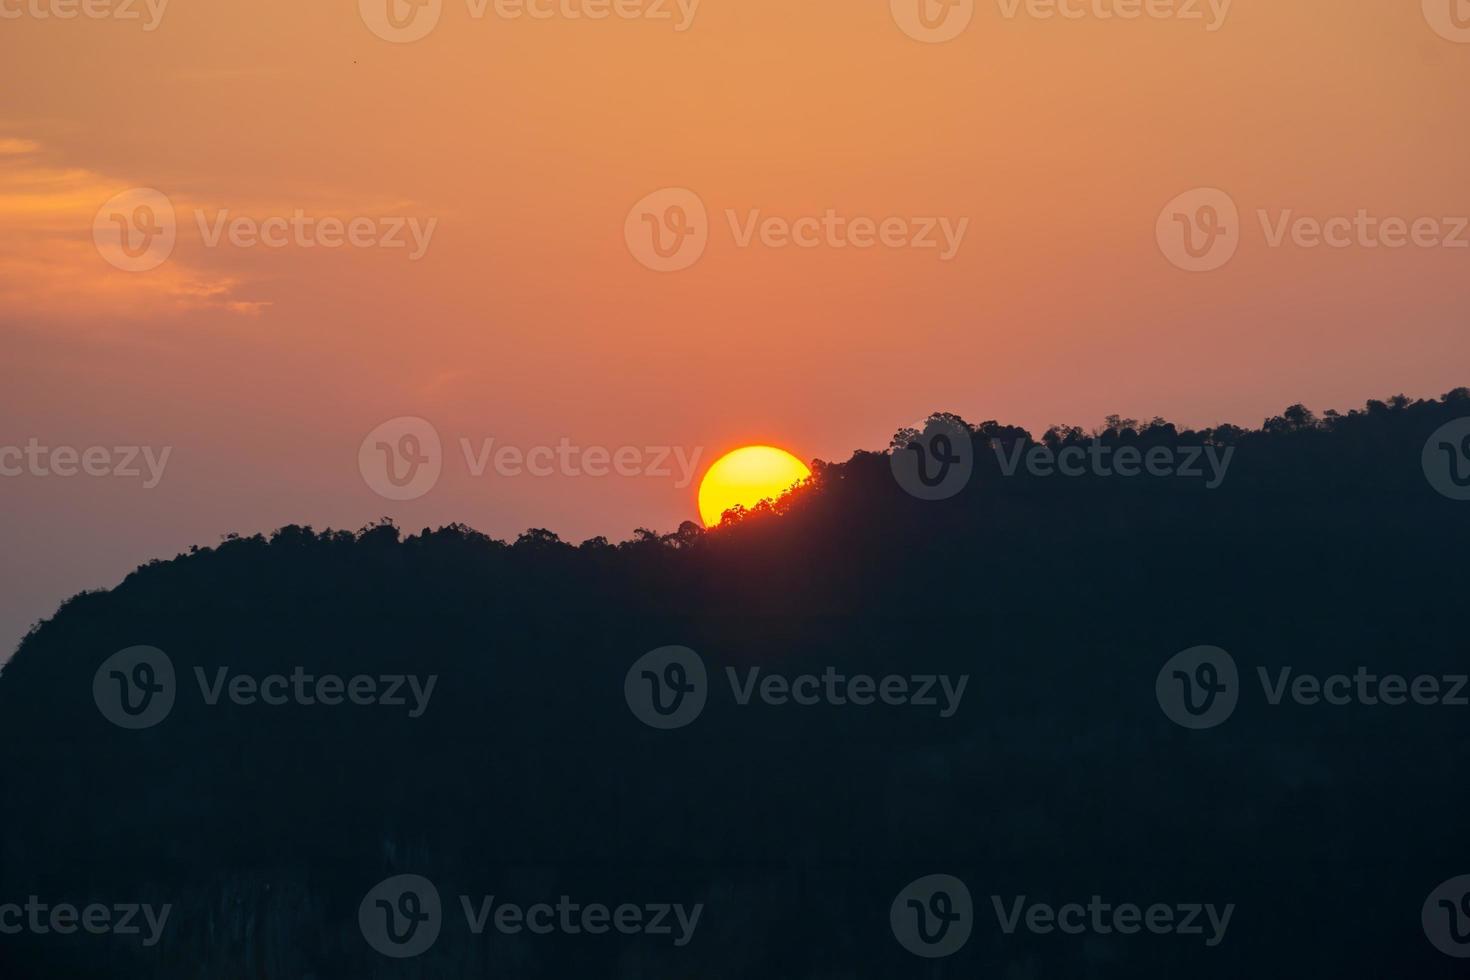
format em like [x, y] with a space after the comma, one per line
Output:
[504, 531]
[255, 234]
[19, 617]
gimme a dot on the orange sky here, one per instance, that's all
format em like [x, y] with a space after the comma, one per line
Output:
[529, 321]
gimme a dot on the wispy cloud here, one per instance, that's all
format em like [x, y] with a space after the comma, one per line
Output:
[48, 261]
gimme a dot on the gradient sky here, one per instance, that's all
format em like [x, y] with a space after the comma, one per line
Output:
[529, 321]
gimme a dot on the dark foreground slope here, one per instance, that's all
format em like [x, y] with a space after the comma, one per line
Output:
[527, 776]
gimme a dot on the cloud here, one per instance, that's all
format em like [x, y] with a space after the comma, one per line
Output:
[49, 263]
[83, 245]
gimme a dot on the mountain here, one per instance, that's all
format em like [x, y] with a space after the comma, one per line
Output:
[950, 658]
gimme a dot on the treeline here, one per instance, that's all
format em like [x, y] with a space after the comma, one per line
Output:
[1325, 548]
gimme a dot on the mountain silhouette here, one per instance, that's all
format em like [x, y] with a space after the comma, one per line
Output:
[531, 769]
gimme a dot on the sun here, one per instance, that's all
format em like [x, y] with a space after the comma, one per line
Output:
[746, 477]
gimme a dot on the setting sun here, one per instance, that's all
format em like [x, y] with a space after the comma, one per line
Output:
[746, 477]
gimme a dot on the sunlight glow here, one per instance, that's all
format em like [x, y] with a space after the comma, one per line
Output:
[746, 477]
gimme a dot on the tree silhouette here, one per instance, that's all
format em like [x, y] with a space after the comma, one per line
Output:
[1324, 549]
